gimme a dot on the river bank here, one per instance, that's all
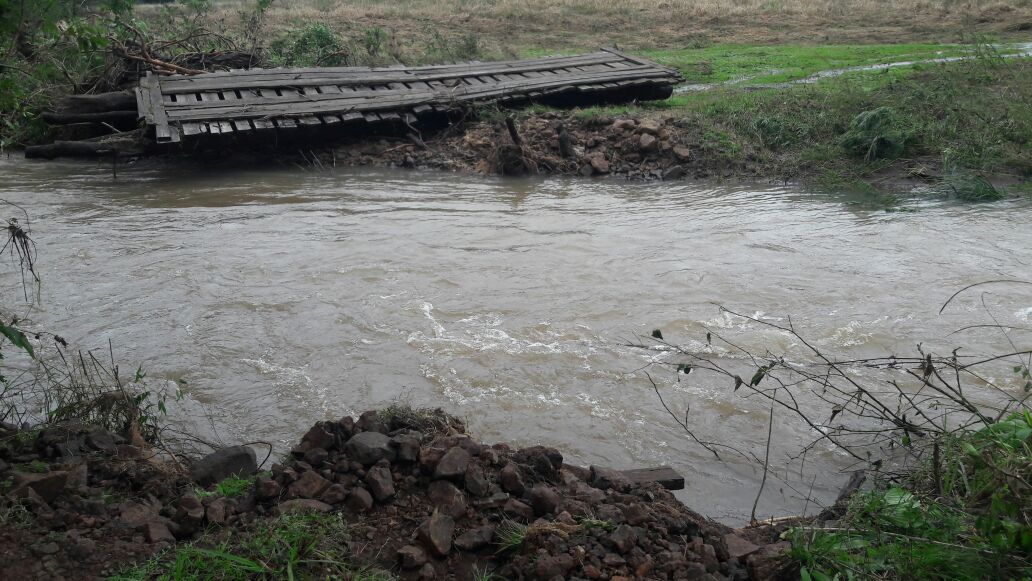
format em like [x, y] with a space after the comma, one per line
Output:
[395, 494]
[891, 131]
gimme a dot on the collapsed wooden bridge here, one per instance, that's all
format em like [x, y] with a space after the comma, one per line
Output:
[270, 107]
[182, 107]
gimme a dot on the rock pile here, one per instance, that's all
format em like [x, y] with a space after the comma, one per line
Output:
[650, 148]
[77, 501]
[436, 506]
[431, 504]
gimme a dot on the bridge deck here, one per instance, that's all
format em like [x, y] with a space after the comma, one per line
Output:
[261, 100]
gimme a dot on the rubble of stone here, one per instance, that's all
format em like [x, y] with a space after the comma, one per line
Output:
[557, 143]
[424, 505]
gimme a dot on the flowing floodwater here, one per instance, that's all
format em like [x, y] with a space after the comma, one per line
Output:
[282, 297]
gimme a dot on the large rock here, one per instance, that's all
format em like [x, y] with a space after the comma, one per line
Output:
[156, 531]
[359, 500]
[739, 548]
[544, 499]
[447, 498]
[518, 510]
[436, 533]
[650, 126]
[475, 539]
[772, 562]
[412, 557]
[266, 488]
[380, 481]
[217, 511]
[556, 566]
[301, 505]
[221, 464]
[319, 436]
[408, 447]
[49, 485]
[510, 479]
[335, 494]
[623, 538]
[625, 124]
[189, 514]
[606, 478]
[368, 448]
[310, 485]
[453, 465]
[599, 163]
[476, 482]
[648, 143]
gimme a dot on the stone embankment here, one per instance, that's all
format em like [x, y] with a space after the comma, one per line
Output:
[425, 502]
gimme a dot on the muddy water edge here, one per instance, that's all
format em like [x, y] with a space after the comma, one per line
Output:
[279, 297]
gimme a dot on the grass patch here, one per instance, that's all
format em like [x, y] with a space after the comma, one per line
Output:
[36, 466]
[230, 487]
[511, 535]
[967, 516]
[789, 62]
[294, 546]
[400, 415]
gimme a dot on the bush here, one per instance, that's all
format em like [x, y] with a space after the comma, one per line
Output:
[965, 517]
[313, 45]
[875, 134]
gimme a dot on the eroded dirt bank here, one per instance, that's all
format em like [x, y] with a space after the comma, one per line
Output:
[559, 143]
[418, 499]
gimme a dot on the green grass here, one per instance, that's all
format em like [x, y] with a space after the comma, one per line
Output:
[294, 546]
[511, 535]
[781, 63]
[230, 487]
[966, 518]
[37, 466]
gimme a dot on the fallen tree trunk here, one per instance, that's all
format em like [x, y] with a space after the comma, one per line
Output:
[101, 102]
[113, 117]
[126, 144]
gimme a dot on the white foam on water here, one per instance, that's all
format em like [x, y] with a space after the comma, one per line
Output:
[1024, 315]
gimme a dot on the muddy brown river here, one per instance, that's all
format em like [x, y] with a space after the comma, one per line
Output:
[282, 297]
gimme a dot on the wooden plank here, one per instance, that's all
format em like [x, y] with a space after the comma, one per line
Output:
[191, 129]
[143, 104]
[365, 100]
[390, 73]
[665, 476]
[505, 81]
[328, 76]
[163, 133]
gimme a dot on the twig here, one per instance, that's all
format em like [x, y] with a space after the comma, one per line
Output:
[766, 460]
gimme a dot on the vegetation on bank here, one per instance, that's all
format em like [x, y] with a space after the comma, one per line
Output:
[948, 124]
[964, 514]
[300, 545]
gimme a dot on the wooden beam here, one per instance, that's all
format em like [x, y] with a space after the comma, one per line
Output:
[665, 476]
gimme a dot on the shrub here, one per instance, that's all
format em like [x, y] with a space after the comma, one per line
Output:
[316, 44]
[875, 134]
